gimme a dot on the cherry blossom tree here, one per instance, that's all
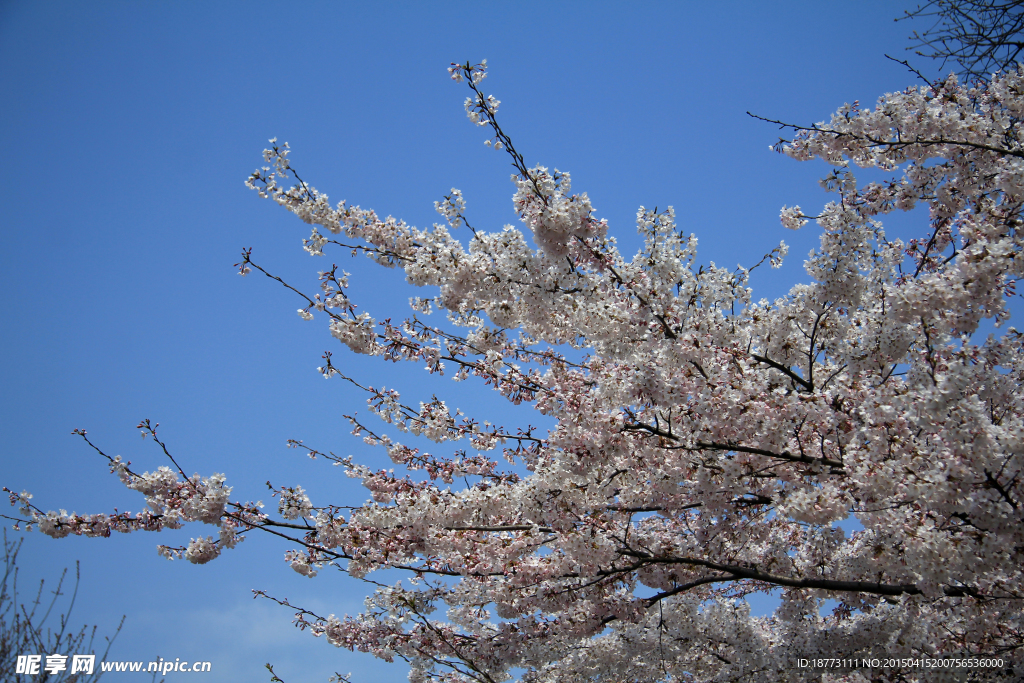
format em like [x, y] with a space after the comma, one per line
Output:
[708, 445]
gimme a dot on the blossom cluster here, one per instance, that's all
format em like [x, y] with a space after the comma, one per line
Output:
[706, 448]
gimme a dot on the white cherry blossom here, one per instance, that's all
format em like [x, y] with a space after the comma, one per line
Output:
[707, 444]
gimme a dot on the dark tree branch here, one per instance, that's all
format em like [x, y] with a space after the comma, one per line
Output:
[752, 572]
[981, 36]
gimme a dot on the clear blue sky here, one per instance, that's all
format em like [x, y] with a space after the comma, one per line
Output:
[129, 128]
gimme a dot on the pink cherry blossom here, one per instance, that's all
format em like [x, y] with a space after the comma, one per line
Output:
[707, 446]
